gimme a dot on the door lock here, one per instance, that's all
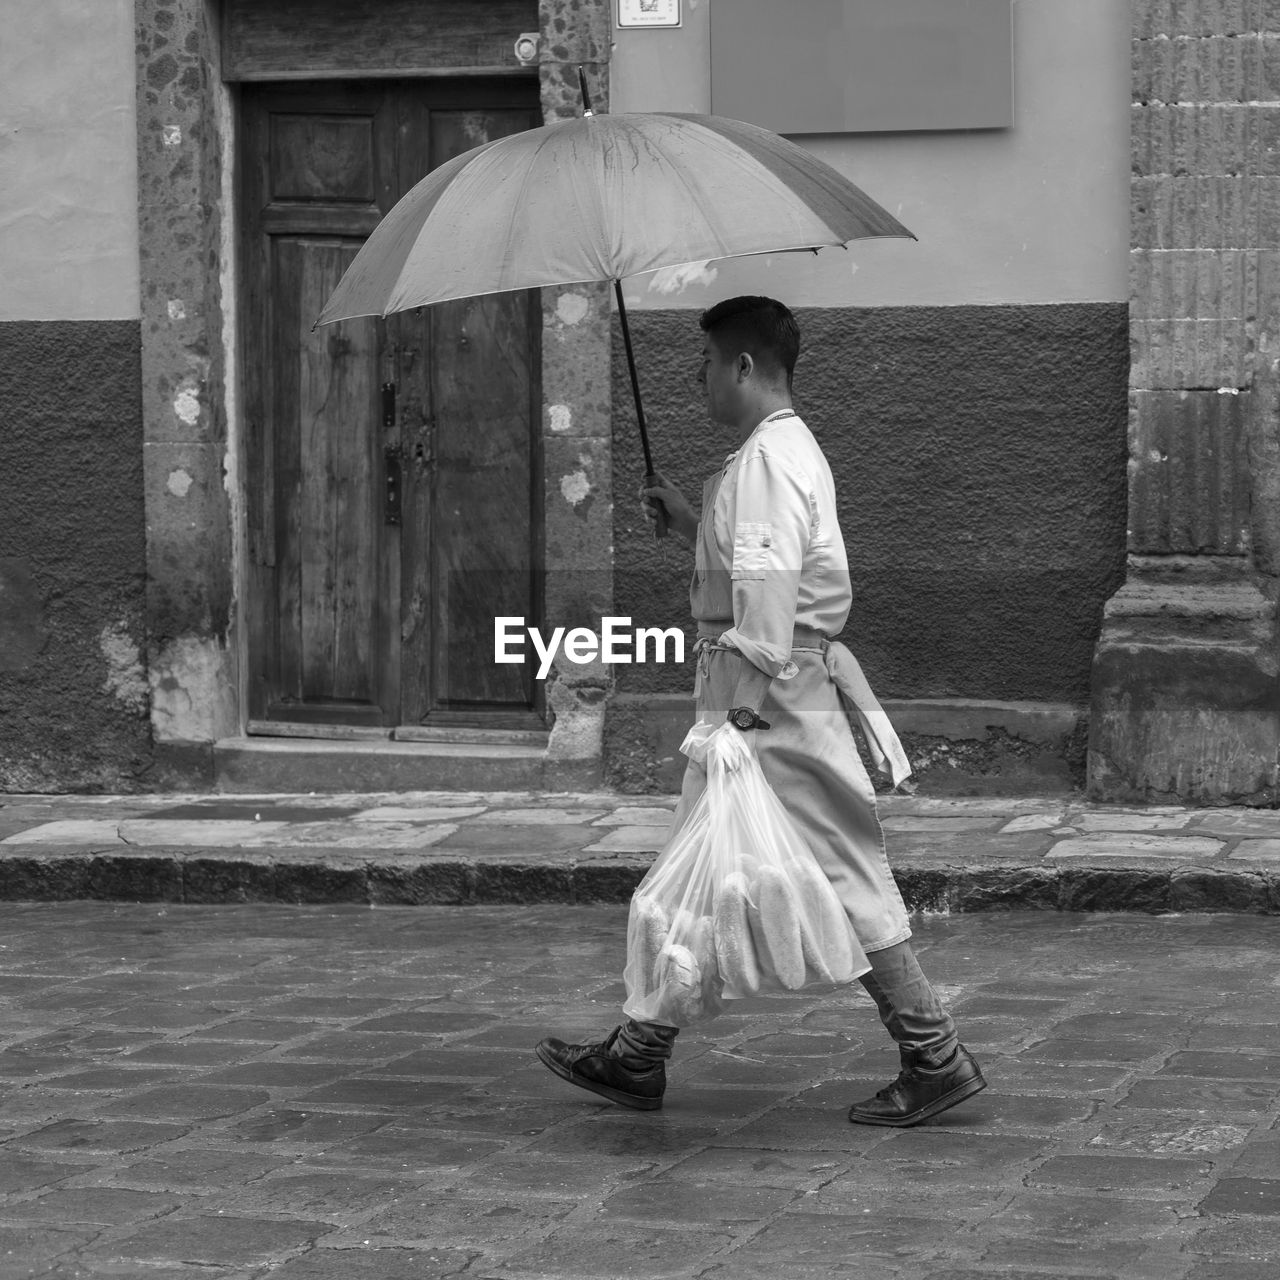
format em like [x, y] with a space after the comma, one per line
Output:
[391, 508]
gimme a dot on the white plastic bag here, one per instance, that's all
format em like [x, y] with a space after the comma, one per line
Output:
[736, 903]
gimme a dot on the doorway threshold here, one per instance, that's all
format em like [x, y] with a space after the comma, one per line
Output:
[252, 764]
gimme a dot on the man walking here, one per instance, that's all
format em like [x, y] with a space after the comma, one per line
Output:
[770, 591]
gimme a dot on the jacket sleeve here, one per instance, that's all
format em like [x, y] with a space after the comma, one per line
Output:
[772, 521]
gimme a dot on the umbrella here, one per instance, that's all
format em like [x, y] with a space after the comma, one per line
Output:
[600, 198]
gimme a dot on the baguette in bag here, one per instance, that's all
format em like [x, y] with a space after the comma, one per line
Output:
[736, 904]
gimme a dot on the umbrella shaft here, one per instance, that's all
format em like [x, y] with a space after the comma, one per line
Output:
[635, 382]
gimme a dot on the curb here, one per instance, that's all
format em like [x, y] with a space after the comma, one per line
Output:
[217, 876]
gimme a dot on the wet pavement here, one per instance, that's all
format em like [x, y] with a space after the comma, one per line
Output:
[955, 854]
[316, 1092]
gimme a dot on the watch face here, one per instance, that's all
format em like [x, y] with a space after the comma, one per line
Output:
[743, 718]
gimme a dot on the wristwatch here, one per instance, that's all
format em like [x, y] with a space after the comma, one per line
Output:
[744, 718]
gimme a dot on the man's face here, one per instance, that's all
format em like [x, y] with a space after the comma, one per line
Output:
[719, 378]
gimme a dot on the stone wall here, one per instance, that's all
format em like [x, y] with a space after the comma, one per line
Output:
[1186, 702]
[181, 208]
[577, 451]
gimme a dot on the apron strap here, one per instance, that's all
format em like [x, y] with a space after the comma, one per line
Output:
[886, 750]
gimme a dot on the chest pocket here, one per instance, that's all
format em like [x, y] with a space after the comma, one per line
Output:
[751, 542]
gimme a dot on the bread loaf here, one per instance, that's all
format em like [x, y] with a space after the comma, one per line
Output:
[826, 936]
[777, 918]
[703, 946]
[680, 984]
[651, 926]
[735, 950]
[683, 925]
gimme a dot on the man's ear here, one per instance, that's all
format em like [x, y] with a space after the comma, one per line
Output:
[745, 365]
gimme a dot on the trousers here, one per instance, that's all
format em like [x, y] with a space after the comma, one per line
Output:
[909, 1009]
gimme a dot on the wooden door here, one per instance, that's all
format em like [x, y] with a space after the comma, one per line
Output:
[389, 464]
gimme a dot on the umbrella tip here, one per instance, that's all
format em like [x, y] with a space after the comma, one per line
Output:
[586, 97]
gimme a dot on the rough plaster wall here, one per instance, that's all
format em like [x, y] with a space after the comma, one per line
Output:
[979, 456]
[73, 698]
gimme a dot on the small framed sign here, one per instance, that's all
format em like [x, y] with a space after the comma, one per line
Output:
[648, 13]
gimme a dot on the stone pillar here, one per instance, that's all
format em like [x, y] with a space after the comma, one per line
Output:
[1185, 698]
[188, 513]
[576, 410]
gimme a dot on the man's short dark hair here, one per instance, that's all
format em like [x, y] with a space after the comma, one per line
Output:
[762, 327]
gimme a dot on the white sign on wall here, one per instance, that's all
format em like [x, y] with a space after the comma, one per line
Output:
[648, 13]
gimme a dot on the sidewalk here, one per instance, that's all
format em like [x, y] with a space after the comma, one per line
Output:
[272, 1092]
[482, 847]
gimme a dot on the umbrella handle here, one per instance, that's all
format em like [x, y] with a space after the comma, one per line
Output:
[662, 522]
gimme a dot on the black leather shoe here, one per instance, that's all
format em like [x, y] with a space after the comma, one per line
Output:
[592, 1066]
[920, 1092]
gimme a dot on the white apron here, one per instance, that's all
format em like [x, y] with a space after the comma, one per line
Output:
[808, 755]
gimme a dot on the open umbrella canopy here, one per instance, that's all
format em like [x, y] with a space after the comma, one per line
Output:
[600, 198]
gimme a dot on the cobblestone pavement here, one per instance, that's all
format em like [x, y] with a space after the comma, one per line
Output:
[959, 854]
[340, 1093]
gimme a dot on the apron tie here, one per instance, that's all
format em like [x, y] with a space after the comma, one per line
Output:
[886, 750]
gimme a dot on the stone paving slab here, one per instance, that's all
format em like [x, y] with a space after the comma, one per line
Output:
[414, 848]
[346, 1092]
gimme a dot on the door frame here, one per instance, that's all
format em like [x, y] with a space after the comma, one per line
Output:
[189, 375]
[260, 612]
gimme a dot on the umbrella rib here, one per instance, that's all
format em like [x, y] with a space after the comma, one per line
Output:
[521, 203]
[697, 204]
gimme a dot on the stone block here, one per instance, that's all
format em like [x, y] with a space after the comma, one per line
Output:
[1219, 891]
[1129, 846]
[328, 881]
[1266, 140]
[223, 1240]
[1090, 889]
[607, 880]
[1213, 1097]
[43, 877]
[416, 883]
[1116, 1173]
[1204, 280]
[528, 882]
[1239, 1239]
[1154, 18]
[1186, 702]
[1188, 473]
[134, 877]
[1011, 889]
[1262, 73]
[210, 880]
[1194, 138]
[923, 890]
[1055, 1216]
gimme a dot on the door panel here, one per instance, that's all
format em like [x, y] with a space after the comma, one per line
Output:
[475, 518]
[333, 601]
[355, 618]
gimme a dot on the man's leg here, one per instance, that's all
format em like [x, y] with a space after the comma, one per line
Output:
[937, 1070]
[908, 1005]
[628, 1066]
